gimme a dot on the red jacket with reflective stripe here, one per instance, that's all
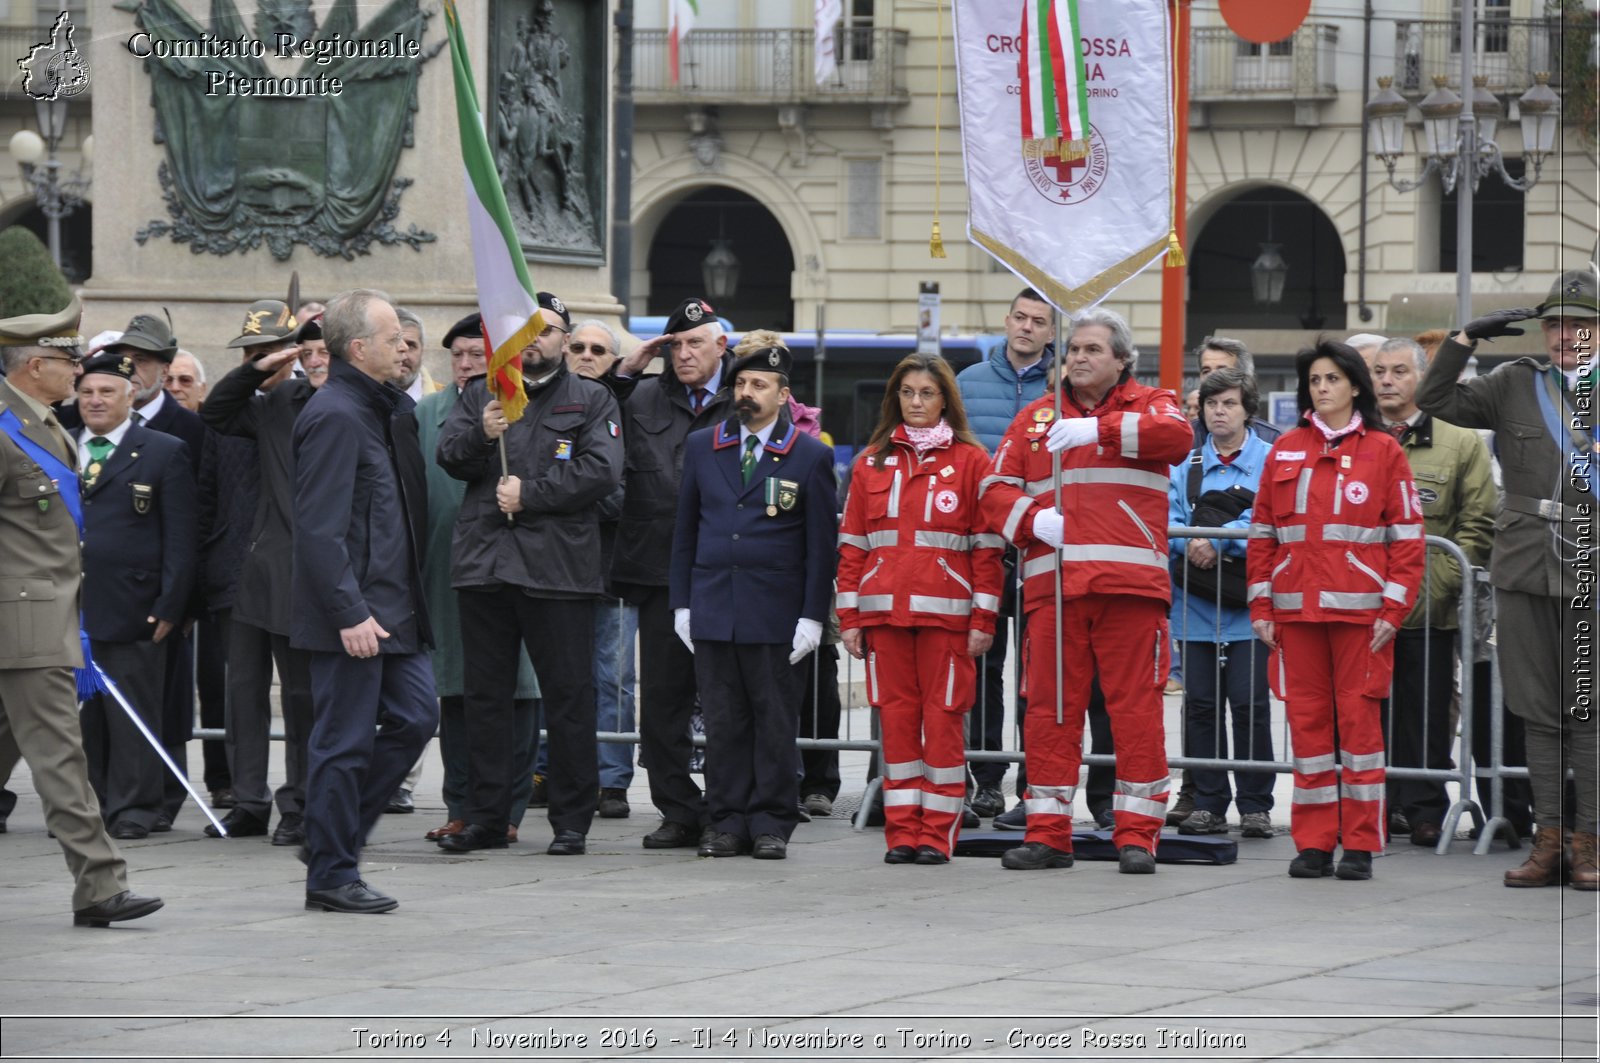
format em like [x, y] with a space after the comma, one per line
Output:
[1336, 532]
[913, 549]
[1113, 494]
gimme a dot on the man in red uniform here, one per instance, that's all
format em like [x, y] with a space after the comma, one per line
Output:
[1118, 440]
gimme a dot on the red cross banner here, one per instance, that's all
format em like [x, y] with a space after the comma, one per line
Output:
[1075, 206]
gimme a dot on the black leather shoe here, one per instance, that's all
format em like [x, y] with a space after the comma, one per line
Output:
[1312, 863]
[223, 798]
[613, 803]
[721, 843]
[770, 847]
[927, 854]
[162, 825]
[672, 835]
[473, 836]
[900, 854]
[1035, 856]
[1354, 865]
[127, 831]
[239, 824]
[356, 897]
[401, 803]
[291, 829]
[568, 843]
[1426, 834]
[969, 818]
[119, 909]
[1136, 860]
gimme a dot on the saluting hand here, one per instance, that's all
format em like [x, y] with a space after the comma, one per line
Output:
[639, 358]
[509, 495]
[494, 420]
[362, 640]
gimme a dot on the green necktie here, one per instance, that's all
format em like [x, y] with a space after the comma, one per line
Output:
[747, 464]
[100, 449]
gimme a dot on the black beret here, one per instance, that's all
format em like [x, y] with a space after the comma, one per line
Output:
[765, 359]
[549, 302]
[110, 362]
[691, 313]
[470, 326]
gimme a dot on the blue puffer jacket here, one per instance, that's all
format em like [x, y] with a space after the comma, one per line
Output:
[994, 394]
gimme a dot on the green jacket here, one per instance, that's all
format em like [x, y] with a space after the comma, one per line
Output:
[1451, 468]
[444, 501]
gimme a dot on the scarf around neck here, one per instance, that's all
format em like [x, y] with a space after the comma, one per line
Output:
[1330, 434]
[923, 440]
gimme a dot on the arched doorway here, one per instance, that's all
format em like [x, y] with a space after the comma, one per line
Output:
[77, 235]
[1222, 294]
[761, 297]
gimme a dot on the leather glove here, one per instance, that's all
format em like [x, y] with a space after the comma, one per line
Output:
[680, 624]
[1072, 432]
[1498, 323]
[1047, 524]
[807, 637]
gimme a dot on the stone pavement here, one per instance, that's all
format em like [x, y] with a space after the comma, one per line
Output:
[624, 950]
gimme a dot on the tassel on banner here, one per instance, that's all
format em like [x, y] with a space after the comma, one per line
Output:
[1175, 256]
[1072, 150]
[936, 243]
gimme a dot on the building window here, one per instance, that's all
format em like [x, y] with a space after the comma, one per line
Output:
[1497, 225]
[1491, 25]
[863, 199]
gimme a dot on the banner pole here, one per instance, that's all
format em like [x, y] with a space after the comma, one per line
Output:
[1174, 278]
[1055, 476]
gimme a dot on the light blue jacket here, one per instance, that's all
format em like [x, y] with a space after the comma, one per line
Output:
[994, 394]
[1194, 617]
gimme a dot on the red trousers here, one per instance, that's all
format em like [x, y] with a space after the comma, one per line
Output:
[1124, 638]
[922, 682]
[1330, 678]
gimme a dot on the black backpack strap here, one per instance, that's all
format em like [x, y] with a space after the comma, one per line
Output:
[1196, 472]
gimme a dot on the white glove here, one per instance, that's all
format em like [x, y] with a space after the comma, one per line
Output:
[1072, 432]
[680, 624]
[1047, 525]
[807, 637]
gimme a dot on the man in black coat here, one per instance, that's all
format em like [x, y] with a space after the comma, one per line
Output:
[259, 401]
[360, 516]
[658, 414]
[139, 565]
[526, 564]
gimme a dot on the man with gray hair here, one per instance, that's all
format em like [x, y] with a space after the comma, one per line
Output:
[1451, 468]
[1098, 522]
[1366, 345]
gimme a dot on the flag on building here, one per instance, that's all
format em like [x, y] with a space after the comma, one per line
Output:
[683, 16]
[825, 49]
[506, 298]
[1075, 204]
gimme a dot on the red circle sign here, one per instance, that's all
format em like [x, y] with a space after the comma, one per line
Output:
[1264, 21]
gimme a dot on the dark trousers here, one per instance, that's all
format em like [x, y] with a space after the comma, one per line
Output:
[177, 717]
[559, 636]
[453, 751]
[372, 717]
[819, 718]
[126, 773]
[1416, 721]
[211, 683]
[750, 695]
[251, 654]
[1241, 668]
[667, 690]
[1517, 797]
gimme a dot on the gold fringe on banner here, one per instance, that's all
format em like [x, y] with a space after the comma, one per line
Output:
[936, 239]
[1175, 256]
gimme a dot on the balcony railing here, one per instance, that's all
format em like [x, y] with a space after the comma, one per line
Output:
[15, 43]
[770, 67]
[1224, 66]
[1509, 51]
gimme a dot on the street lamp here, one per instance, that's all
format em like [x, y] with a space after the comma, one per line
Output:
[56, 193]
[1460, 137]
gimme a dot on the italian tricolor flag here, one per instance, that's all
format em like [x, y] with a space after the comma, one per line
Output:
[1055, 100]
[506, 299]
[683, 16]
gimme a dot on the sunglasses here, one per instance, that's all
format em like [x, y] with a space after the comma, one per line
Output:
[185, 379]
[599, 350]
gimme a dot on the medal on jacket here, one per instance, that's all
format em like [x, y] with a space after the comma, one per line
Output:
[92, 473]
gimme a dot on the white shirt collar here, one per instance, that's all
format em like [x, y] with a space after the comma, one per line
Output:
[148, 411]
[415, 390]
[711, 385]
[765, 435]
[114, 437]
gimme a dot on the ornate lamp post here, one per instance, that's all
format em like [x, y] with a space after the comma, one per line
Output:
[58, 194]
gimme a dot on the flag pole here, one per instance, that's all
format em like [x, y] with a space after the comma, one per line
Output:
[1055, 476]
[1174, 275]
[505, 473]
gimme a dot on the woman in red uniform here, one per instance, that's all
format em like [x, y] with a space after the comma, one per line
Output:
[919, 587]
[1335, 560]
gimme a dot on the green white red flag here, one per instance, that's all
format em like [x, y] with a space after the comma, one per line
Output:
[683, 16]
[506, 298]
[1055, 97]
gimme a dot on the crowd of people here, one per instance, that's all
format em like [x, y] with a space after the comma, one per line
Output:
[409, 557]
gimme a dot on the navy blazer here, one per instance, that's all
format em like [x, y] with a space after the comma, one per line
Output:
[360, 513]
[139, 549]
[749, 562]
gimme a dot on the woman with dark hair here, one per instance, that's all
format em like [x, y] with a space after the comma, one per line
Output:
[1334, 563]
[919, 588]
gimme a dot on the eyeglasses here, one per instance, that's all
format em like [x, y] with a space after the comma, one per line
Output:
[599, 350]
[927, 395]
[552, 328]
[75, 359]
[185, 379]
